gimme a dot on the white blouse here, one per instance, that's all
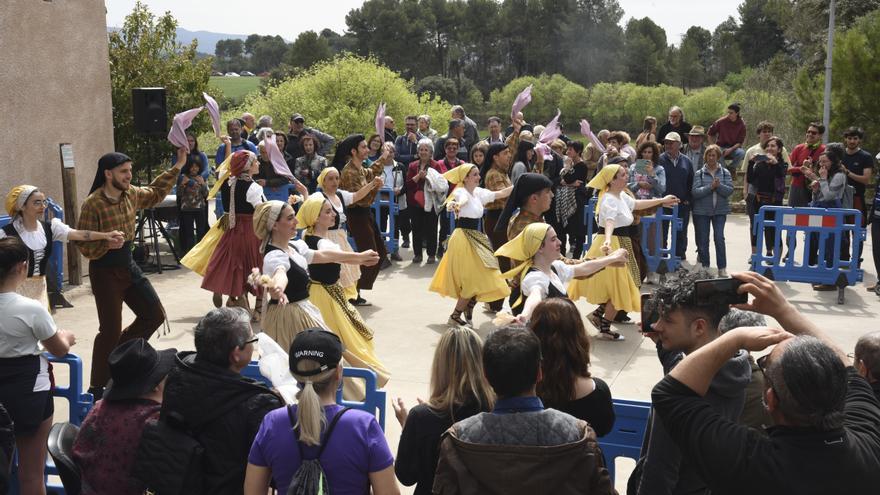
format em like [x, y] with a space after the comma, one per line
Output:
[301, 254]
[617, 209]
[537, 278]
[472, 206]
[36, 240]
[347, 199]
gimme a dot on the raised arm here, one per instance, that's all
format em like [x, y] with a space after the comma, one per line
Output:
[668, 201]
[367, 258]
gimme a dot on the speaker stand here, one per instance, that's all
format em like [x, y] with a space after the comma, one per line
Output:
[155, 229]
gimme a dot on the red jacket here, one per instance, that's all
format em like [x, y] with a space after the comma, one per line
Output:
[412, 185]
[729, 133]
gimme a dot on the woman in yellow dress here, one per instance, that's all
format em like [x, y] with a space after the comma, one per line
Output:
[328, 181]
[318, 216]
[613, 288]
[469, 271]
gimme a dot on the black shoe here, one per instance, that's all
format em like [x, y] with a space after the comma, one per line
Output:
[57, 300]
[621, 317]
[405, 244]
[417, 259]
[395, 256]
[360, 301]
[386, 263]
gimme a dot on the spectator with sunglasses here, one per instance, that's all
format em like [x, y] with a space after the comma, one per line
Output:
[826, 433]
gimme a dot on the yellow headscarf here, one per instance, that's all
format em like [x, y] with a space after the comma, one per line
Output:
[323, 175]
[523, 248]
[601, 180]
[16, 198]
[309, 211]
[457, 175]
[223, 173]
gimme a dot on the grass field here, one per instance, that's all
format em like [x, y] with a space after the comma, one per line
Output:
[235, 88]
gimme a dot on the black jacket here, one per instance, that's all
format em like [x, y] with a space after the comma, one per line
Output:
[736, 459]
[194, 389]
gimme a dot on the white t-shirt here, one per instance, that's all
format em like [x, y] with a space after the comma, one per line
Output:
[24, 322]
[302, 256]
[536, 278]
[36, 240]
[617, 209]
[473, 203]
[347, 199]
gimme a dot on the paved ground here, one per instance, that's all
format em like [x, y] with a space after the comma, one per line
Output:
[408, 321]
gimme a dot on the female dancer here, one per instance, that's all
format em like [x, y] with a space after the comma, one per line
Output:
[328, 181]
[615, 288]
[541, 273]
[459, 390]
[238, 250]
[286, 265]
[469, 271]
[26, 205]
[25, 388]
[318, 216]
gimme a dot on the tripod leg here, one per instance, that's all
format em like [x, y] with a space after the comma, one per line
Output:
[169, 240]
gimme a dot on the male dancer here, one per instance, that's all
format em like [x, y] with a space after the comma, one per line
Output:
[115, 278]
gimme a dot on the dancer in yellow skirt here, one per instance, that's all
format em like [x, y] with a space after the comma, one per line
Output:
[613, 288]
[469, 270]
[328, 181]
[541, 272]
[317, 215]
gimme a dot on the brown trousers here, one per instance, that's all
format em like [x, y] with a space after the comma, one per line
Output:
[112, 286]
[497, 239]
[363, 228]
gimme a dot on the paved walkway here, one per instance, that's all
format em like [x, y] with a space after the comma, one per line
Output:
[408, 320]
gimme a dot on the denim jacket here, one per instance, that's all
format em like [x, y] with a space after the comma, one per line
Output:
[703, 194]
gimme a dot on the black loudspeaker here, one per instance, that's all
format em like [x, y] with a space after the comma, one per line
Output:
[148, 108]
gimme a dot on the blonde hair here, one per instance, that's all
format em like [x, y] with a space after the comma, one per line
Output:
[713, 148]
[457, 372]
[310, 417]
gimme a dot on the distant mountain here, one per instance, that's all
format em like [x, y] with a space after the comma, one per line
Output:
[207, 39]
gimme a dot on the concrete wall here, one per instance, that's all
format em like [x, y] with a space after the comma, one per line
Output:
[54, 88]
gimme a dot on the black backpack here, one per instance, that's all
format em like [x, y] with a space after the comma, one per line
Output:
[169, 459]
[309, 478]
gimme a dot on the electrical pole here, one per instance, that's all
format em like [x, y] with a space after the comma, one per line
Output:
[826, 107]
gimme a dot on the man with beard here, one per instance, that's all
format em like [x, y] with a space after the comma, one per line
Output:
[115, 278]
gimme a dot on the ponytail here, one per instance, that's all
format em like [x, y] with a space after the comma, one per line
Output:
[310, 417]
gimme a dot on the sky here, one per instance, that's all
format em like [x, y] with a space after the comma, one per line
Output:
[288, 18]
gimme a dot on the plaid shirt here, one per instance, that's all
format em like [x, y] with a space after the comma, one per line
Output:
[354, 177]
[101, 214]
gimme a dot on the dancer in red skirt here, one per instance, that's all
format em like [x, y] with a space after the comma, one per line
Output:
[238, 250]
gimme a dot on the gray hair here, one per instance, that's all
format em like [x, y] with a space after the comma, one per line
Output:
[810, 381]
[426, 118]
[265, 121]
[738, 318]
[676, 108]
[426, 142]
[219, 332]
[457, 109]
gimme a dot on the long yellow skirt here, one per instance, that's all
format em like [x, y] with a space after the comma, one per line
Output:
[283, 323]
[198, 257]
[615, 284]
[359, 350]
[462, 273]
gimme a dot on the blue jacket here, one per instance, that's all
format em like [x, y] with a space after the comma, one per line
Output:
[679, 176]
[245, 145]
[702, 192]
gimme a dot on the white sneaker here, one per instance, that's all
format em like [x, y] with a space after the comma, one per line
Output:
[722, 273]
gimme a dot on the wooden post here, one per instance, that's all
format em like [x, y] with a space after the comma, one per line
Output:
[68, 185]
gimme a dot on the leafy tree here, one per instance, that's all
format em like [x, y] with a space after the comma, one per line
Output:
[645, 50]
[145, 53]
[548, 94]
[339, 43]
[726, 54]
[229, 55]
[340, 96]
[760, 35]
[308, 49]
[267, 52]
[595, 42]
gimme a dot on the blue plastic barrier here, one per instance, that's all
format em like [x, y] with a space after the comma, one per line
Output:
[56, 261]
[625, 439]
[589, 222]
[385, 198]
[663, 260]
[79, 405]
[450, 217]
[831, 225]
[374, 401]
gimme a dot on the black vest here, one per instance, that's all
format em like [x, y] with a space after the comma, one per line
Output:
[325, 273]
[241, 203]
[297, 279]
[10, 231]
[552, 291]
[335, 221]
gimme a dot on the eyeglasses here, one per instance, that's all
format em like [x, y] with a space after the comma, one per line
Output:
[762, 363]
[251, 341]
[44, 202]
